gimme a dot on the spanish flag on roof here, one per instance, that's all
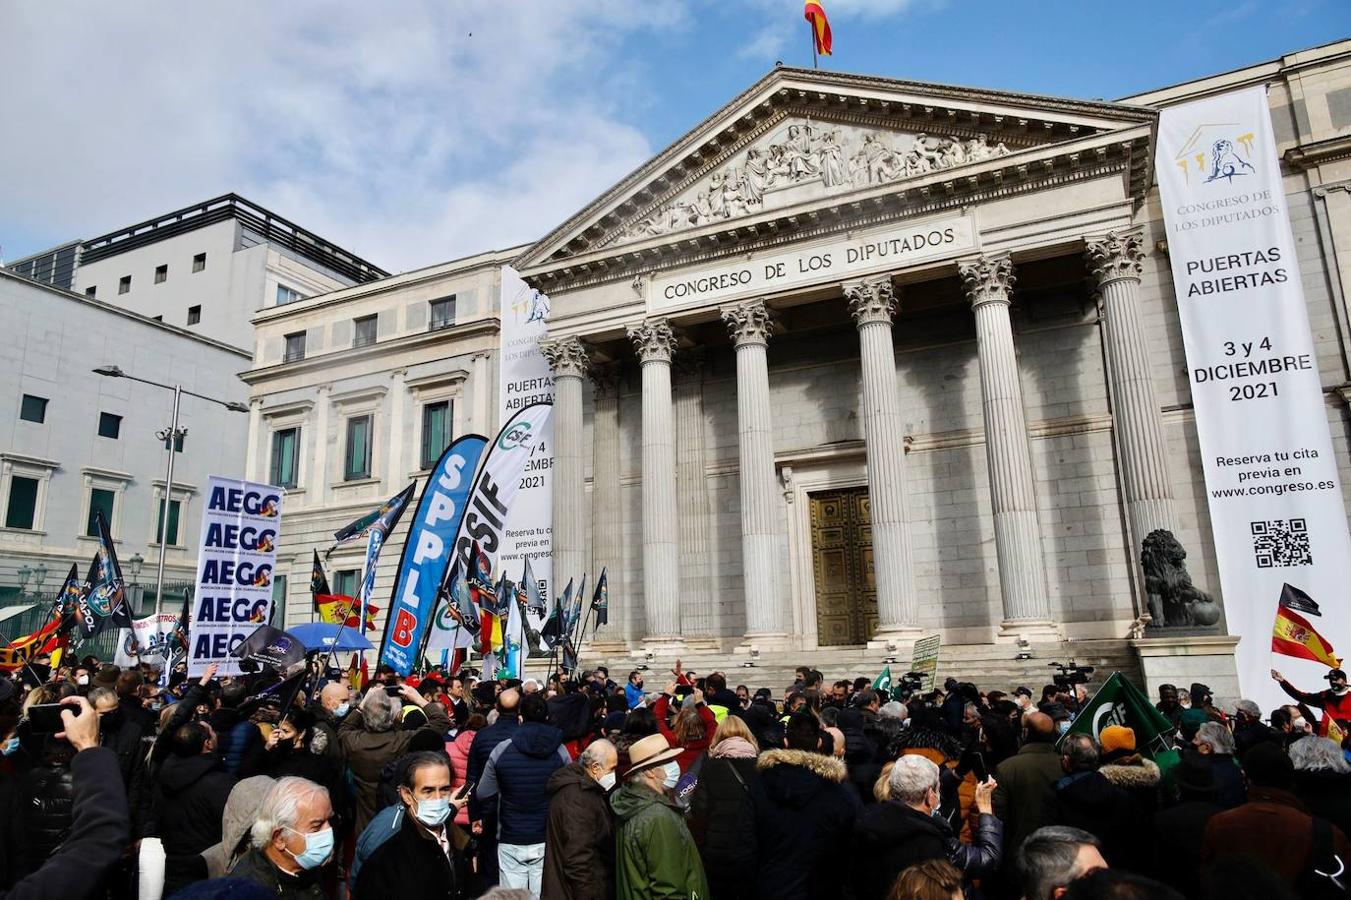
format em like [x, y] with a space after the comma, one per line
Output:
[1292, 635]
[815, 14]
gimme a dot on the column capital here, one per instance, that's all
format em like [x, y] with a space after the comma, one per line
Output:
[654, 339]
[565, 355]
[1116, 255]
[987, 279]
[748, 322]
[871, 301]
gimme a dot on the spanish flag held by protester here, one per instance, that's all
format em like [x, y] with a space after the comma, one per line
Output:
[1292, 634]
[815, 14]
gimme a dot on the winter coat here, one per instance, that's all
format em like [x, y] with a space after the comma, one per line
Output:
[579, 842]
[1326, 794]
[409, 865]
[325, 738]
[633, 696]
[804, 819]
[722, 822]
[1249, 734]
[655, 856]
[1088, 801]
[189, 799]
[309, 763]
[240, 743]
[123, 732]
[368, 751]
[1272, 826]
[458, 751]
[1232, 789]
[893, 836]
[518, 774]
[46, 800]
[483, 745]
[1026, 781]
[571, 714]
[1140, 778]
[256, 867]
[1178, 834]
[691, 751]
[98, 832]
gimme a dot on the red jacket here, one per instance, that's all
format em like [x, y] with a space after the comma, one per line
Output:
[1272, 826]
[693, 749]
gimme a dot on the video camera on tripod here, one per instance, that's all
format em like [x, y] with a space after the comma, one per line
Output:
[909, 684]
[1070, 674]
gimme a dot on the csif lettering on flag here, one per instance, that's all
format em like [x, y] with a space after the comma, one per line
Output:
[236, 561]
[427, 552]
[1274, 491]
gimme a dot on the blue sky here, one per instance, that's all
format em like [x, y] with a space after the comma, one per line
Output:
[414, 131]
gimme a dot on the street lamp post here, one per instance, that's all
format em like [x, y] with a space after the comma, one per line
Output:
[171, 435]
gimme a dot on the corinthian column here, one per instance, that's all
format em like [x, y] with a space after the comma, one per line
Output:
[872, 304]
[655, 342]
[1017, 534]
[697, 619]
[606, 511]
[766, 622]
[567, 357]
[1116, 263]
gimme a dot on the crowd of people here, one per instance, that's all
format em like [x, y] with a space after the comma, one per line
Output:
[581, 788]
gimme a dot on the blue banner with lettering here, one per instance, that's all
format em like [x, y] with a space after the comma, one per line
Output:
[427, 551]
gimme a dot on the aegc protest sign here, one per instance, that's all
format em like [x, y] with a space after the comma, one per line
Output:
[234, 569]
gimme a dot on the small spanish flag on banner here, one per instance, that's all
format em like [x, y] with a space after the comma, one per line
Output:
[815, 14]
[1292, 635]
[1330, 729]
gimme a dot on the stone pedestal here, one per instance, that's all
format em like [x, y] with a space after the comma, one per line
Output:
[1183, 659]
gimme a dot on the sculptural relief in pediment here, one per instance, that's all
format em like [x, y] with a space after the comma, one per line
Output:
[801, 160]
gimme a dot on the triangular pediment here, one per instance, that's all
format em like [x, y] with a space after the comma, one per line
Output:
[801, 140]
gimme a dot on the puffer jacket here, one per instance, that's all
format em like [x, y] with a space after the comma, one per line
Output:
[655, 856]
[46, 800]
[804, 820]
[893, 836]
[518, 774]
[458, 751]
[579, 845]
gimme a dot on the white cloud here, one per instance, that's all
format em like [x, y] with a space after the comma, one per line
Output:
[768, 44]
[385, 127]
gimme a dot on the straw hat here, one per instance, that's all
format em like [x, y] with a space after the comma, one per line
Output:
[650, 752]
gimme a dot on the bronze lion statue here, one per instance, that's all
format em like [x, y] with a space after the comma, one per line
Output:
[1173, 599]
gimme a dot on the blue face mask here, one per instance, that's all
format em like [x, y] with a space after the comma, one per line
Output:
[672, 771]
[10, 746]
[342, 710]
[433, 813]
[318, 847]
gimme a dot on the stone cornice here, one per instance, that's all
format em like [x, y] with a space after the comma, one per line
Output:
[987, 279]
[1116, 255]
[1306, 156]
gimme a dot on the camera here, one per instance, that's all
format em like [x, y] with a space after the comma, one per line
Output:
[910, 683]
[1070, 674]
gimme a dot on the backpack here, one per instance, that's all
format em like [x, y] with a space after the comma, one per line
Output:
[384, 826]
[1326, 874]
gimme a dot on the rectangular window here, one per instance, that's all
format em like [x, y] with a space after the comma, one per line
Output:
[435, 431]
[110, 426]
[442, 313]
[345, 582]
[178, 443]
[33, 409]
[357, 461]
[365, 331]
[295, 347]
[287, 295]
[199, 262]
[194, 315]
[285, 457]
[161, 274]
[21, 511]
[170, 534]
[91, 291]
[124, 284]
[100, 501]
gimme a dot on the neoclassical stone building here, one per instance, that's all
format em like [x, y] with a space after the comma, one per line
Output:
[857, 359]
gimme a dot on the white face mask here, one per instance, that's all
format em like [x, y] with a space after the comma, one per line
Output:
[1298, 724]
[672, 771]
[606, 781]
[82, 679]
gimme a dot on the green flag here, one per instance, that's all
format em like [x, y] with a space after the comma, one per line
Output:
[1118, 702]
[882, 683]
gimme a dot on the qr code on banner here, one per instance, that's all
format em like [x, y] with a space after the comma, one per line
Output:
[1281, 542]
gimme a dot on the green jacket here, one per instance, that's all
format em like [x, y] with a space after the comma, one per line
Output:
[655, 856]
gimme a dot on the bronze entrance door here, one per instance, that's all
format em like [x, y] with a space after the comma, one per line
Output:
[842, 563]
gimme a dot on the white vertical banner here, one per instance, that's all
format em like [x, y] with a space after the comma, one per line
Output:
[1271, 478]
[525, 379]
[234, 570]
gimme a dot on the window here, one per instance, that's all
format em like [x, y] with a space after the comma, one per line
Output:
[435, 431]
[295, 347]
[33, 409]
[199, 262]
[91, 291]
[365, 331]
[194, 315]
[285, 457]
[345, 582]
[100, 501]
[178, 442]
[287, 295]
[277, 615]
[110, 426]
[161, 274]
[21, 511]
[124, 284]
[170, 533]
[357, 461]
[443, 313]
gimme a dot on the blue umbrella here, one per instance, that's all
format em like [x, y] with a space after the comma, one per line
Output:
[324, 636]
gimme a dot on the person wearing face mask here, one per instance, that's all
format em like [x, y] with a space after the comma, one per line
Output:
[579, 839]
[297, 747]
[291, 840]
[335, 703]
[410, 850]
[655, 855]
